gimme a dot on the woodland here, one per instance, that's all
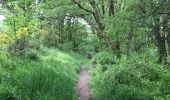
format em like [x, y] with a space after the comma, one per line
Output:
[122, 46]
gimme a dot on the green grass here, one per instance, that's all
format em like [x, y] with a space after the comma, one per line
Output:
[52, 77]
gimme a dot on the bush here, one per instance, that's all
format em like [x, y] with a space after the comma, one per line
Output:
[24, 48]
[132, 79]
[19, 46]
[104, 59]
[165, 85]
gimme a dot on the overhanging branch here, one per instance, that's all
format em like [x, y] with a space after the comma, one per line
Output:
[81, 7]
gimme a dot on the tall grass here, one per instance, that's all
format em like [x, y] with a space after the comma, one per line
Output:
[52, 77]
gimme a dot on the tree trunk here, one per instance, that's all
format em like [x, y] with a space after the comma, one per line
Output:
[98, 19]
[97, 16]
[103, 7]
[162, 50]
[117, 48]
[129, 38]
[168, 40]
[111, 7]
[111, 13]
[166, 30]
[160, 42]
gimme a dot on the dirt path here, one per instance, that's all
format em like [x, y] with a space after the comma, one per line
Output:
[82, 84]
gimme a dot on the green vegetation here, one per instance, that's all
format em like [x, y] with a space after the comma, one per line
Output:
[44, 42]
[114, 78]
[51, 77]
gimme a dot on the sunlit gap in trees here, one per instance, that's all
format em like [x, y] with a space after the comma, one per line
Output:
[79, 19]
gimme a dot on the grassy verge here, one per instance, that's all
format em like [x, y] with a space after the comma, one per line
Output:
[52, 77]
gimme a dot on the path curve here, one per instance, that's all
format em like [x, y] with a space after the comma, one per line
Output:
[82, 84]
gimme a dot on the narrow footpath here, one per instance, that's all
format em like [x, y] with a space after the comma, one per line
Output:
[82, 84]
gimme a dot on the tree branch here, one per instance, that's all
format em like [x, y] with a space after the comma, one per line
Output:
[153, 12]
[81, 7]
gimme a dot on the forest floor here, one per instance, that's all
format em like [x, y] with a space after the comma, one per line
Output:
[82, 84]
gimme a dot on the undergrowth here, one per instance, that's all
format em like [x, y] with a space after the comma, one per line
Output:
[51, 77]
[135, 78]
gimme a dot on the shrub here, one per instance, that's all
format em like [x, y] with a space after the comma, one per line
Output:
[24, 48]
[19, 46]
[132, 79]
[165, 85]
[6, 38]
[104, 59]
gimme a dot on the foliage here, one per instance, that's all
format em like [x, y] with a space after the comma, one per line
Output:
[133, 79]
[19, 46]
[22, 32]
[5, 38]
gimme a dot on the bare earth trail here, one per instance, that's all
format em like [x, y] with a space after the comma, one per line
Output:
[82, 84]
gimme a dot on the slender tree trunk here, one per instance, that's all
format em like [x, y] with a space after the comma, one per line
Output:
[166, 29]
[159, 35]
[111, 8]
[117, 46]
[160, 42]
[129, 38]
[162, 51]
[103, 7]
[61, 30]
[168, 40]
[111, 13]
[98, 18]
